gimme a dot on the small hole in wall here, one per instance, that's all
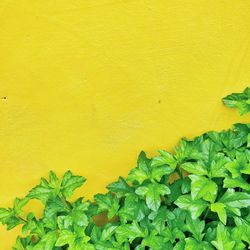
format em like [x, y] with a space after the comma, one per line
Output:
[159, 101]
[4, 98]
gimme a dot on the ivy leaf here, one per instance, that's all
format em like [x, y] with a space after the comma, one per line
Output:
[42, 192]
[219, 208]
[107, 202]
[48, 189]
[33, 226]
[158, 172]
[195, 227]
[120, 187]
[11, 217]
[194, 168]
[108, 231]
[189, 150]
[192, 243]
[223, 241]
[235, 199]
[19, 204]
[142, 171]
[196, 207]
[133, 209]
[75, 242]
[165, 159]
[243, 226]
[239, 100]
[21, 243]
[55, 206]
[160, 217]
[217, 166]
[47, 241]
[12, 221]
[70, 183]
[156, 242]
[137, 175]
[129, 232]
[239, 182]
[78, 214]
[150, 170]
[104, 245]
[177, 223]
[4, 213]
[201, 187]
[239, 166]
[54, 181]
[237, 235]
[179, 245]
[65, 237]
[153, 193]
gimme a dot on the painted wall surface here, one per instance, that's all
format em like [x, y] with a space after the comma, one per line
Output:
[85, 85]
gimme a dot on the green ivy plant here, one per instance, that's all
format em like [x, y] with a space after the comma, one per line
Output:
[206, 207]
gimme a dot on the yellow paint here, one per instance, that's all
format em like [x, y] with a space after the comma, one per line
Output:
[89, 83]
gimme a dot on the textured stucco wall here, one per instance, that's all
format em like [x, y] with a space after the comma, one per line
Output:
[87, 84]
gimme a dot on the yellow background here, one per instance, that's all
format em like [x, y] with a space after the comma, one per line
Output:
[86, 84]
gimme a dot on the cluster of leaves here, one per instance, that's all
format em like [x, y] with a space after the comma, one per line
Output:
[241, 101]
[197, 197]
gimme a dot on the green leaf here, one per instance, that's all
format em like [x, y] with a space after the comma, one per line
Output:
[223, 241]
[65, 237]
[108, 232]
[137, 175]
[217, 166]
[21, 243]
[160, 217]
[47, 242]
[142, 171]
[235, 199]
[107, 202]
[153, 193]
[201, 187]
[54, 206]
[179, 245]
[237, 235]
[192, 243]
[156, 242]
[133, 209]
[196, 207]
[158, 172]
[194, 168]
[189, 150]
[219, 208]
[239, 166]
[129, 232]
[120, 187]
[164, 159]
[243, 227]
[33, 226]
[19, 204]
[186, 185]
[42, 192]
[11, 217]
[70, 183]
[239, 182]
[79, 216]
[239, 101]
[4, 213]
[54, 181]
[195, 227]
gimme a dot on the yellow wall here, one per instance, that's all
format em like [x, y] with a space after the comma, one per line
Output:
[89, 83]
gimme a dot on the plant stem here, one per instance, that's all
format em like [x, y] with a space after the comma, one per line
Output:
[22, 219]
[206, 213]
[65, 202]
